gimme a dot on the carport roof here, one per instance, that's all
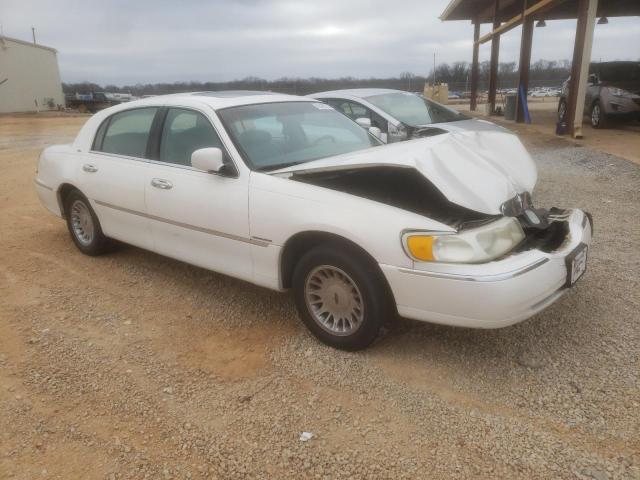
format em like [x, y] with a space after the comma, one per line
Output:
[556, 10]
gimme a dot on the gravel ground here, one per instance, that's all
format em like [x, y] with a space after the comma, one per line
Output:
[132, 365]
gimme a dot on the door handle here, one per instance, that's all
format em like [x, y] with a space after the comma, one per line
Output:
[87, 167]
[161, 183]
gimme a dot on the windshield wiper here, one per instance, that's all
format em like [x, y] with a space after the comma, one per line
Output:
[428, 131]
[277, 166]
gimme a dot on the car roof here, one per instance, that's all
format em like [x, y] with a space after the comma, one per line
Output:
[218, 99]
[355, 92]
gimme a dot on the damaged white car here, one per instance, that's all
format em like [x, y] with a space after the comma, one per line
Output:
[287, 193]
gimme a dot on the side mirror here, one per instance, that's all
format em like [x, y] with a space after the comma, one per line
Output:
[208, 159]
[376, 132]
[364, 122]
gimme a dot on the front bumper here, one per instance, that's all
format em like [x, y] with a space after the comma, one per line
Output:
[491, 295]
[623, 106]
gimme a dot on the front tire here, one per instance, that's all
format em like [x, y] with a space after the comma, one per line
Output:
[340, 296]
[598, 117]
[84, 226]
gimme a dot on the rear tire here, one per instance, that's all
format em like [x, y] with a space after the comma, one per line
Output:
[340, 296]
[598, 117]
[84, 226]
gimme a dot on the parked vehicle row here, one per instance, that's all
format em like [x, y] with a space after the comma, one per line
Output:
[92, 102]
[289, 192]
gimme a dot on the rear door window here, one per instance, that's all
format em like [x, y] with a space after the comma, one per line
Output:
[126, 133]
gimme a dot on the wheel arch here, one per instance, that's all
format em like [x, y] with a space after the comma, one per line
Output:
[300, 243]
[64, 189]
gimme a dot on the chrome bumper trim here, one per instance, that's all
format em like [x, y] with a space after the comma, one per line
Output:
[477, 278]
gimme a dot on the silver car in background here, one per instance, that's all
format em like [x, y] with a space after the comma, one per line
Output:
[400, 115]
[613, 92]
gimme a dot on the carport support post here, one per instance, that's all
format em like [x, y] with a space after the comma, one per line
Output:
[525, 61]
[587, 10]
[493, 67]
[474, 65]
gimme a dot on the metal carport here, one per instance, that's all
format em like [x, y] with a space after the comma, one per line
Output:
[505, 15]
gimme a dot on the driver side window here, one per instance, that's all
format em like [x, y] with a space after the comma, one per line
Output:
[184, 132]
[355, 110]
[352, 110]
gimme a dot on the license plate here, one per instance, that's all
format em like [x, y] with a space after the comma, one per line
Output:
[576, 263]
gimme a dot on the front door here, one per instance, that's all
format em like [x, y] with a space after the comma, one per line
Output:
[197, 217]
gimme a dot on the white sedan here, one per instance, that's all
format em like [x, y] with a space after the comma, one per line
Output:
[287, 193]
[398, 115]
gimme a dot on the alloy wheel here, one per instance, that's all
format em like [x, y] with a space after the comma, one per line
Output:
[82, 222]
[595, 115]
[334, 300]
[562, 111]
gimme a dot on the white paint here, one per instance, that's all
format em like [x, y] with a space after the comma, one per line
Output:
[478, 170]
[239, 226]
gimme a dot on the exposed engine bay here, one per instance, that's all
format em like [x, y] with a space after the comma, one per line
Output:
[405, 188]
[408, 189]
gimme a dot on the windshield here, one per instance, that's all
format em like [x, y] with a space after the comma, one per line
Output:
[277, 135]
[414, 110]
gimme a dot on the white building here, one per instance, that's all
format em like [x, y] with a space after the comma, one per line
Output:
[29, 77]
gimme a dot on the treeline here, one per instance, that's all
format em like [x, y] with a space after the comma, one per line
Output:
[296, 86]
[457, 75]
[543, 73]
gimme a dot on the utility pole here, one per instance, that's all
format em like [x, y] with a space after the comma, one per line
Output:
[33, 33]
[434, 69]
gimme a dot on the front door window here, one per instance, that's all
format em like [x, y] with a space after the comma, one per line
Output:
[184, 132]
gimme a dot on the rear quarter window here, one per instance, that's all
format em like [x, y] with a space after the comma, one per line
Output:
[126, 133]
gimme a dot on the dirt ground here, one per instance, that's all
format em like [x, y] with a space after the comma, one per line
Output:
[131, 365]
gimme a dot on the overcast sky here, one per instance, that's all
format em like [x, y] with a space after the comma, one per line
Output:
[125, 42]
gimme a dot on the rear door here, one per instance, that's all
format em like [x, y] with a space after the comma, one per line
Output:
[197, 217]
[112, 175]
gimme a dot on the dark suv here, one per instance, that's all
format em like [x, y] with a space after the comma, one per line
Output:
[613, 91]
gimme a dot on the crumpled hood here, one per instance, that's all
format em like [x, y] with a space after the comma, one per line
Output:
[479, 170]
[470, 124]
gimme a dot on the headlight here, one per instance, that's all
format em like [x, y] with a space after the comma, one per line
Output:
[618, 92]
[477, 245]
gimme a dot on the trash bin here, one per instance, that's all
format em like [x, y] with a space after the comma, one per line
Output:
[510, 107]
